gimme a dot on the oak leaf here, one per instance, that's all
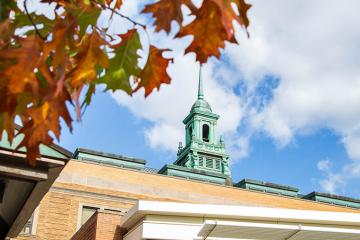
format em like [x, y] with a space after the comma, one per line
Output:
[166, 11]
[228, 15]
[208, 31]
[27, 57]
[124, 64]
[88, 58]
[154, 72]
[41, 121]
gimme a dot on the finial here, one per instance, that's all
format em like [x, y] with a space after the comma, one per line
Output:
[222, 142]
[180, 147]
[200, 90]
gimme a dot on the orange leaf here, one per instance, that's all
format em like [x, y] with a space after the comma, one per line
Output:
[6, 30]
[228, 14]
[208, 31]
[89, 55]
[41, 121]
[86, 60]
[21, 75]
[154, 72]
[166, 11]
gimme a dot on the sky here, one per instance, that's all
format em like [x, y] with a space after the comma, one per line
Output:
[288, 98]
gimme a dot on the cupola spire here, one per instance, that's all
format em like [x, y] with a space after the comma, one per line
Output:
[201, 88]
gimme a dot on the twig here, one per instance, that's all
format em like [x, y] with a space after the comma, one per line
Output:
[104, 32]
[32, 22]
[120, 14]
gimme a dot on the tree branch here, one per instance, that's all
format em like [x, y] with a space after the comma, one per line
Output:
[120, 14]
[32, 22]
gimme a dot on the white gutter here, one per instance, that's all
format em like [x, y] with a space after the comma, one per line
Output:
[238, 212]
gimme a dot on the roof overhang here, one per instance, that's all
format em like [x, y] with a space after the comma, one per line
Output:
[214, 230]
[22, 186]
[166, 220]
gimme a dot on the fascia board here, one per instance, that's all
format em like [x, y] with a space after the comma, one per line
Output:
[239, 212]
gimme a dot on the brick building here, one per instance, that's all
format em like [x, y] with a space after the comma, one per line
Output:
[106, 196]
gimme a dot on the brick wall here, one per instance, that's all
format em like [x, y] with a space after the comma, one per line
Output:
[88, 230]
[96, 185]
[108, 226]
[103, 225]
[59, 213]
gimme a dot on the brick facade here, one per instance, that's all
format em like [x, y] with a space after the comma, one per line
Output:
[103, 225]
[85, 184]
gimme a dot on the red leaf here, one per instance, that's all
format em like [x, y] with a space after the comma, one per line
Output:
[208, 31]
[154, 72]
[166, 11]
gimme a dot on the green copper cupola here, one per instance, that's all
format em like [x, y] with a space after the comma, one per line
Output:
[202, 150]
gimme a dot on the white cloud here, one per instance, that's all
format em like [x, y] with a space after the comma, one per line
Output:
[331, 182]
[166, 109]
[311, 46]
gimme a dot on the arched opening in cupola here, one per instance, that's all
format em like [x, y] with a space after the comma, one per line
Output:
[205, 133]
[190, 132]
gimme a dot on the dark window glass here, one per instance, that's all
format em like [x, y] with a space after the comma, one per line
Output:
[28, 226]
[201, 161]
[205, 132]
[217, 164]
[209, 163]
[87, 212]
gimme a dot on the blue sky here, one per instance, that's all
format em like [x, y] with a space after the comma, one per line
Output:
[108, 127]
[288, 98]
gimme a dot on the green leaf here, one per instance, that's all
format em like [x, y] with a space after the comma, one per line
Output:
[5, 8]
[88, 18]
[88, 96]
[43, 24]
[124, 64]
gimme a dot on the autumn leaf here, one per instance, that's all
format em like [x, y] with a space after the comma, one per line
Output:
[228, 15]
[42, 120]
[166, 11]
[47, 63]
[154, 72]
[90, 56]
[27, 58]
[208, 31]
[6, 31]
[124, 64]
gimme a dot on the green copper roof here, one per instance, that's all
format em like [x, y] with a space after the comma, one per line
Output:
[201, 88]
[267, 187]
[53, 151]
[201, 105]
[333, 199]
[98, 157]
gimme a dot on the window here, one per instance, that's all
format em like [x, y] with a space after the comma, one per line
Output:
[205, 133]
[86, 213]
[28, 226]
[209, 163]
[190, 132]
[217, 164]
[201, 161]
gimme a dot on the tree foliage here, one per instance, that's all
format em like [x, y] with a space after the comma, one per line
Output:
[46, 63]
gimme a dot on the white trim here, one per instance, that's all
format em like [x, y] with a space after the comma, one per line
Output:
[238, 212]
[101, 207]
[183, 221]
[35, 221]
